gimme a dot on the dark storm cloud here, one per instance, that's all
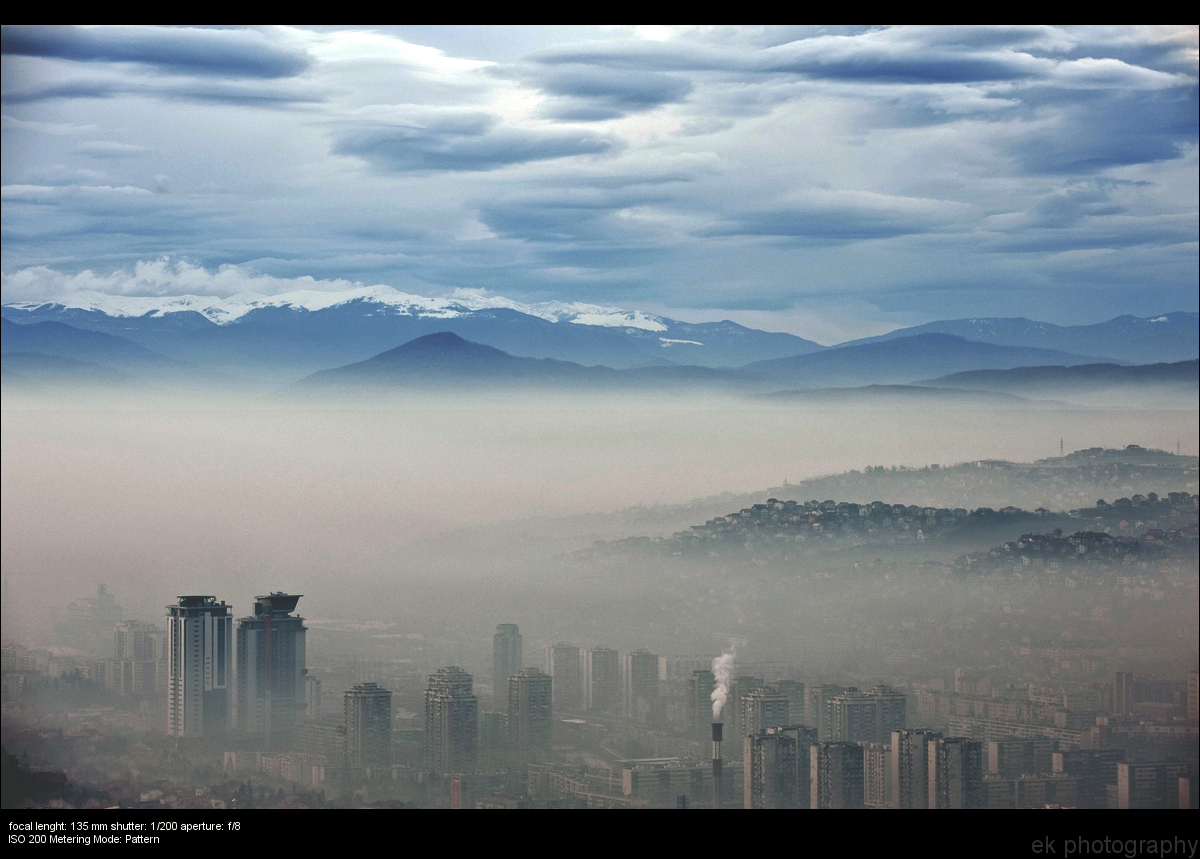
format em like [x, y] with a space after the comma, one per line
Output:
[855, 59]
[589, 93]
[469, 142]
[110, 149]
[570, 215]
[875, 56]
[545, 223]
[1167, 50]
[1148, 232]
[641, 56]
[1100, 129]
[71, 90]
[207, 92]
[1068, 206]
[827, 225]
[190, 50]
[605, 257]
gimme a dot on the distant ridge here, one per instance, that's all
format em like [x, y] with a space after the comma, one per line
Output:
[900, 360]
[1178, 373]
[300, 332]
[1135, 339]
[445, 360]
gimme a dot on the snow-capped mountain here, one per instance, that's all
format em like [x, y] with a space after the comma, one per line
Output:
[224, 311]
[299, 332]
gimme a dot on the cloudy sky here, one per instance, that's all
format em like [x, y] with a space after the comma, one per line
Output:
[829, 182]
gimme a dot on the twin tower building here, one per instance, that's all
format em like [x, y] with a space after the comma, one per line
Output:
[244, 675]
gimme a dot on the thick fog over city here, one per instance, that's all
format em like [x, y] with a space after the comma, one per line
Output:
[375, 507]
[644, 417]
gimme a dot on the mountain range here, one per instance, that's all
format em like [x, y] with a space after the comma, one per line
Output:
[1129, 339]
[299, 333]
[378, 335]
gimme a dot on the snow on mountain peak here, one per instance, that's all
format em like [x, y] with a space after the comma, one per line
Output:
[223, 311]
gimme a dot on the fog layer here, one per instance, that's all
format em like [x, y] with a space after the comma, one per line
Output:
[165, 496]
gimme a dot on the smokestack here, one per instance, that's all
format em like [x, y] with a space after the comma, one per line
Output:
[716, 741]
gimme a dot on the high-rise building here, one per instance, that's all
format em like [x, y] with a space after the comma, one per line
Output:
[323, 739]
[1131, 690]
[877, 780]
[139, 641]
[90, 622]
[639, 682]
[368, 712]
[269, 691]
[1013, 758]
[1095, 769]
[836, 771]
[763, 708]
[955, 773]
[139, 662]
[910, 768]
[794, 690]
[563, 664]
[451, 721]
[493, 738]
[1152, 785]
[312, 697]
[816, 707]
[775, 766]
[507, 656]
[602, 681]
[199, 666]
[530, 711]
[865, 717]
[699, 703]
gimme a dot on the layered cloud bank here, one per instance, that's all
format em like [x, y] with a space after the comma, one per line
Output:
[856, 177]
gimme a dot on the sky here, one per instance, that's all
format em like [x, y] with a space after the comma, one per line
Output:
[833, 183]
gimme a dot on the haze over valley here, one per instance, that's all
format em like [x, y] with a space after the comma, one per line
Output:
[532, 391]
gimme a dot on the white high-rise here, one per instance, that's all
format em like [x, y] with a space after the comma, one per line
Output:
[199, 666]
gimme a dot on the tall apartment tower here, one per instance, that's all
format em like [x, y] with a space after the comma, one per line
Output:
[269, 692]
[530, 710]
[563, 664]
[139, 660]
[763, 708]
[139, 641]
[639, 682]
[837, 775]
[368, 712]
[451, 721]
[816, 707]
[699, 703]
[794, 690]
[602, 681]
[877, 775]
[312, 697]
[910, 768]
[775, 767]
[865, 717]
[199, 666]
[507, 656]
[90, 621]
[955, 773]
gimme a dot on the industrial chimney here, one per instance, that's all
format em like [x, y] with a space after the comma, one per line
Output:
[716, 741]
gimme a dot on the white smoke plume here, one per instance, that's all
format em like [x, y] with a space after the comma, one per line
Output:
[722, 668]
